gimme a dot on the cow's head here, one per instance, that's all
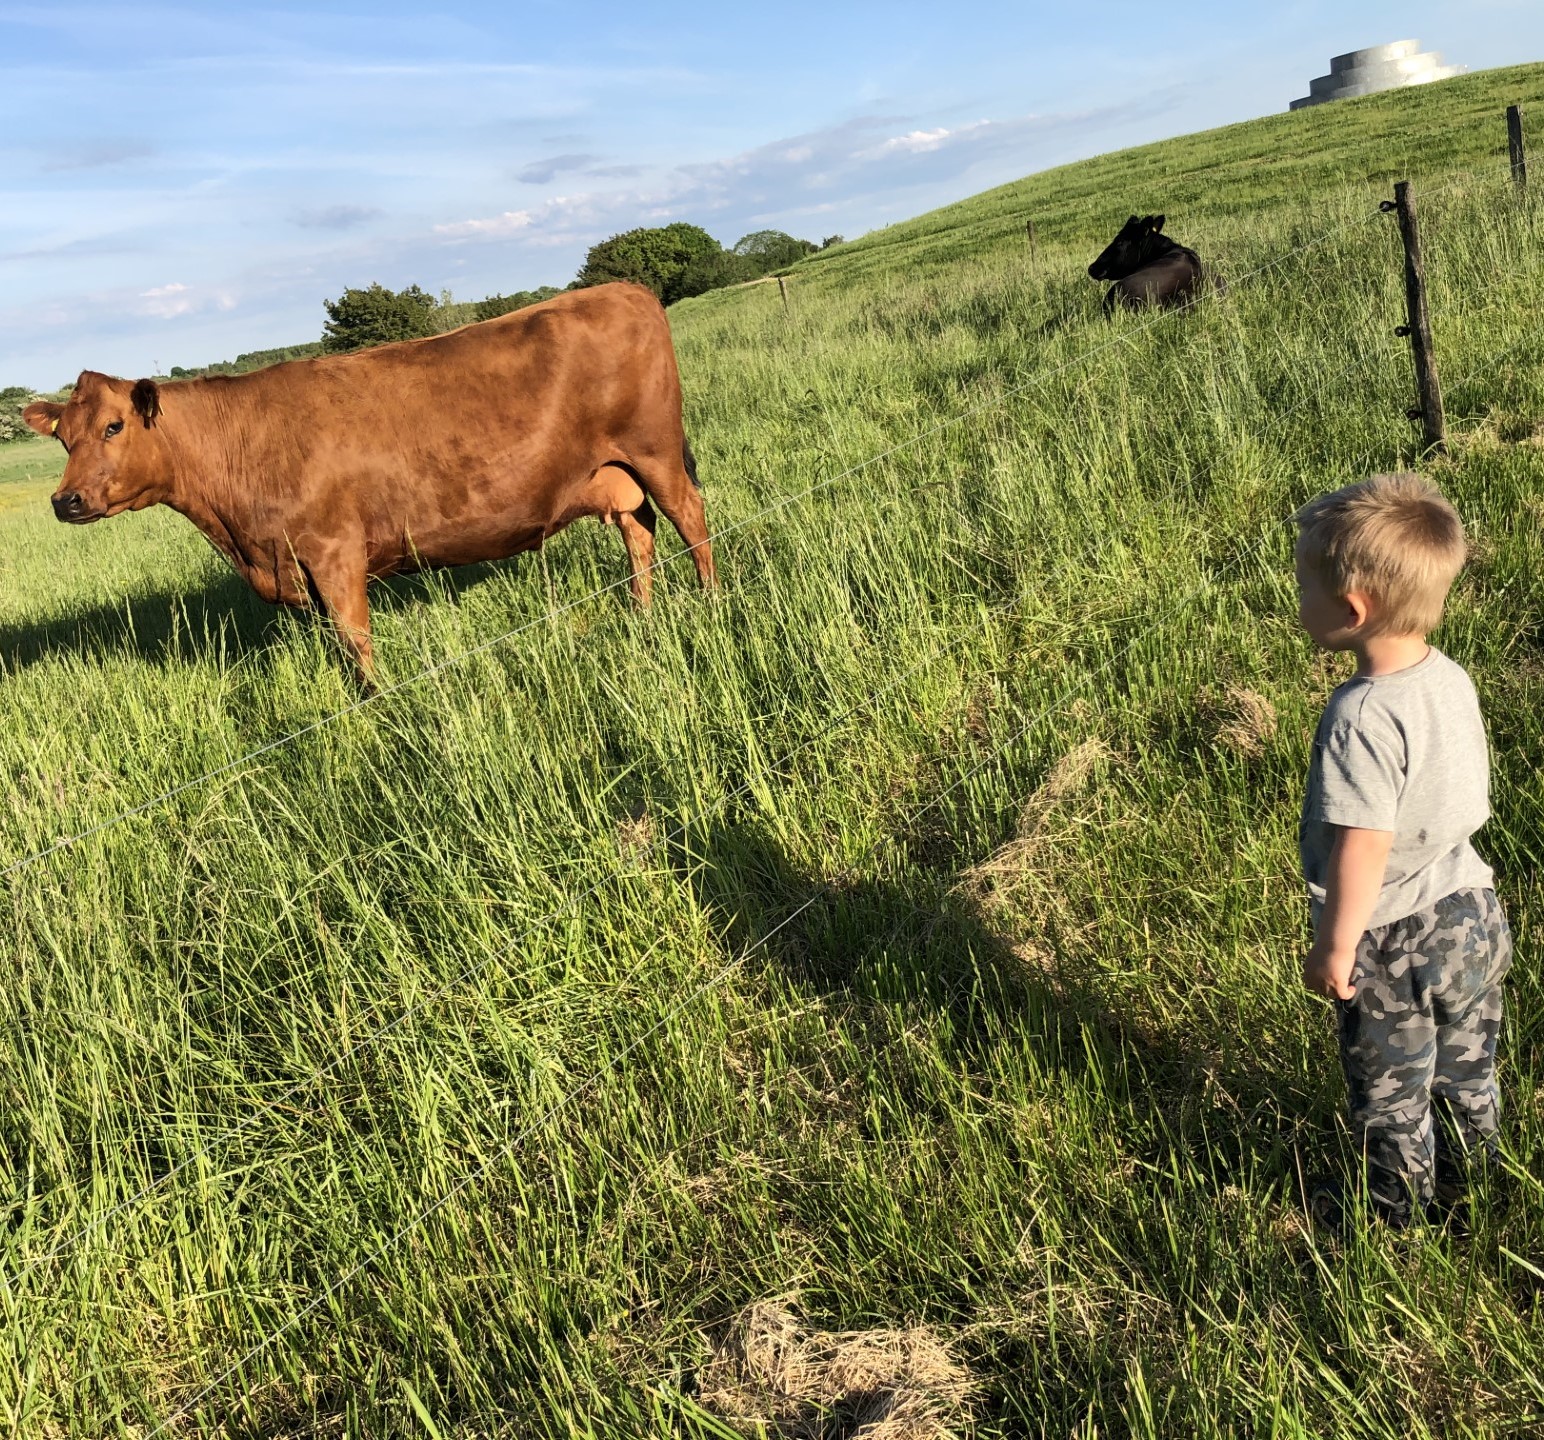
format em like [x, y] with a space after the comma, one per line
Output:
[1130, 250]
[118, 458]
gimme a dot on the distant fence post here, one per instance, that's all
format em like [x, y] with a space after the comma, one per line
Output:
[1514, 138]
[1433, 421]
[1029, 230]
[782, 289]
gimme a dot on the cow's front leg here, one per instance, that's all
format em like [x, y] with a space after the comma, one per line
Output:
[337, 584]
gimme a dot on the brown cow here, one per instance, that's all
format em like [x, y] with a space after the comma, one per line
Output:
[313, 476]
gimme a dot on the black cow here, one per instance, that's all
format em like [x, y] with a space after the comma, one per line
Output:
[1147, 267]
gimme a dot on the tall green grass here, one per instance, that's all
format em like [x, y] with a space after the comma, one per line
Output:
[912, 926]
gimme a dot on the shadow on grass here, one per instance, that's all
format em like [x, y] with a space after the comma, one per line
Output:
[924, 948]
[224, 619]
[924, 938]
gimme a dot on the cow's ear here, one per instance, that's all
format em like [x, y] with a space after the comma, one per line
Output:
[1131, 220]
[1157, 223]
[42, 416]
[145, 397]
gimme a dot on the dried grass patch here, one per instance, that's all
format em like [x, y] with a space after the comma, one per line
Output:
[1067, 778]
[1242, 720]
[1498, 430]
[774, 1376]
[635, 834]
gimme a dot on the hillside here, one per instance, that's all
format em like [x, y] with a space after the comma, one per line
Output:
[903, 941]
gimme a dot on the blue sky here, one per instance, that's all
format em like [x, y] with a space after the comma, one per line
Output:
[181, 183]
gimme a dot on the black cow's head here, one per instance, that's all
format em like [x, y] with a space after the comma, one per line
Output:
[118, 459]
[1130, 250]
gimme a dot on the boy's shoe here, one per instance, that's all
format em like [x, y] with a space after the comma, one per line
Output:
[1452, 1177]
[1450, 1212]
[1327, 1205]
[1330, 1204]
[1451, 1206]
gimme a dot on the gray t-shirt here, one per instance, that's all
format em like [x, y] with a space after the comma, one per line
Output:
[1404, 752]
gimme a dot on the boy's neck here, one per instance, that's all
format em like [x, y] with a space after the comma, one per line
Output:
[1384, 654]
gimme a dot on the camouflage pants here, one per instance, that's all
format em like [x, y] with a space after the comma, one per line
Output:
[1418, 1044]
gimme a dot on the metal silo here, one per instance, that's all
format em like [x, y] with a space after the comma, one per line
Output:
[1379, 67]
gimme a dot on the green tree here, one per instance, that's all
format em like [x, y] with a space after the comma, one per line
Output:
[713, 272]
[496, 305]
[376, 316]
[770, 250]
[656, 257]
[13, 399]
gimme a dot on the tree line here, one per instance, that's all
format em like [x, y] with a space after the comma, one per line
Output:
[675, 261]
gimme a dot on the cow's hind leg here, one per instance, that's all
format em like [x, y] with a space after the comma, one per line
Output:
[337, 588]
[638, 533]
[671, 488]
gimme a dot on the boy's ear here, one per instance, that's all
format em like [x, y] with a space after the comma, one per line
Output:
[1358, 608]
[42, 416]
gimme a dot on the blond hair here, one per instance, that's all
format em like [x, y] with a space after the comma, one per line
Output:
[1393, 538]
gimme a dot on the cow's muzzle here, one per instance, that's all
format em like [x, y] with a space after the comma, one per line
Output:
[69, 506]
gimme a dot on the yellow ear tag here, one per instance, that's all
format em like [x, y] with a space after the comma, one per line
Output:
[54, 428]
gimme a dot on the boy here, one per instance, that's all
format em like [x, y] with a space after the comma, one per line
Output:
[1409, 939]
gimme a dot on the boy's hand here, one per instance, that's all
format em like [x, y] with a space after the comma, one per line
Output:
[1328, 972]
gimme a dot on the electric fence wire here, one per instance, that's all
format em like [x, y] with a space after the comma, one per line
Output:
[569, 907]
[1037, 380]
[572, 905]
[587, 1085]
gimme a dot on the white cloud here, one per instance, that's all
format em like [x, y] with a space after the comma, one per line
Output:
[920, 141]
[841, 166]
[170, 302]
[495, 225]
[166, 302]
[915, 141]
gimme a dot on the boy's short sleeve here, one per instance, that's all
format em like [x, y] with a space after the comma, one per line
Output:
[1361, 773]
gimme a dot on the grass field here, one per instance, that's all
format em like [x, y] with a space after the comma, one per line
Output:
[872, 987]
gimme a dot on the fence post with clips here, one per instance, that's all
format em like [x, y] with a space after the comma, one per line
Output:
[1418, 328]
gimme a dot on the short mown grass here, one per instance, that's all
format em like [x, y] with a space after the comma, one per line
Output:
[903, 939]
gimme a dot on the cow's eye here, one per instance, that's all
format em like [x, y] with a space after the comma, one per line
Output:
[114, 428]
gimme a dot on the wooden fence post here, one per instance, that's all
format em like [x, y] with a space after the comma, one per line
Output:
[1029, 228]
[1514, 137]
[782, 289]
[1433, 421]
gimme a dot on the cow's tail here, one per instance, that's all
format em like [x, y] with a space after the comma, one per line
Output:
[690, 462]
